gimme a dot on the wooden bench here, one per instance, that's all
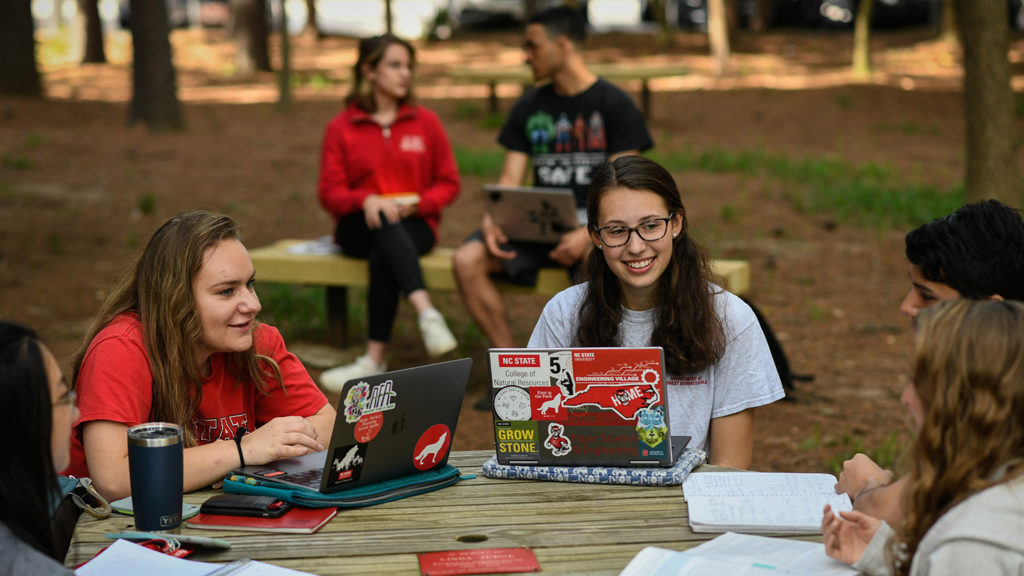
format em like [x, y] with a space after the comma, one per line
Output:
[276, 263]
[522, 76]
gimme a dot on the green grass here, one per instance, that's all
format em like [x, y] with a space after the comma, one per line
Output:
[147, 203]
[467, 110]
[869, 194]
[481, 163]
[493, 121]
[35, 140]
[15, 162]
[55, 243]
[299, 312]
[887, 455]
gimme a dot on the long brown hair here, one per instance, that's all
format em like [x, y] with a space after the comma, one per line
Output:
[371, 52]
[686, 325]
[159, 288]
[969, 377]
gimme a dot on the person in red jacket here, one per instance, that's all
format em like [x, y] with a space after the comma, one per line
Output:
[386, 172]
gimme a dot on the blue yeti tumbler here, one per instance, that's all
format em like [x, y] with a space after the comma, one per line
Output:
[155, 461]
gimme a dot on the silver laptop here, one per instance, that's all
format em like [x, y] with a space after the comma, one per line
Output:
[388, 426]
[581, 407]
[528, 214]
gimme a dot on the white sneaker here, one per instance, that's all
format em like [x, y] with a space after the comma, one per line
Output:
[436, 336]
[334, 380]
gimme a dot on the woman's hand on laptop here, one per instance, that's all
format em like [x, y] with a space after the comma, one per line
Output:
[285, 437]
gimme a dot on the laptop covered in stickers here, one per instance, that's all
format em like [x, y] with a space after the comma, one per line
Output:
[387, 426]
[581, 407]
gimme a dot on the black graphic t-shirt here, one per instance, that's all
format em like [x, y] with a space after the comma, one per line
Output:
[567, 138]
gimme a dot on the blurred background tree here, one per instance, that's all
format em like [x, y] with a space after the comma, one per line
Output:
[154, 87]
[18, 72]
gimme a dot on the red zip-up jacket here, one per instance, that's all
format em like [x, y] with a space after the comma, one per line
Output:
[360, 157]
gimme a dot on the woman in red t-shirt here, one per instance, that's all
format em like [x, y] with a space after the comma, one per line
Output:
[178, 341]
[386, 172]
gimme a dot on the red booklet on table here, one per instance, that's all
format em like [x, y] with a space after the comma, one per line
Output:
[295, 521]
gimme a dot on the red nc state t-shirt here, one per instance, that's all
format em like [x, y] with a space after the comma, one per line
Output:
[115, 384]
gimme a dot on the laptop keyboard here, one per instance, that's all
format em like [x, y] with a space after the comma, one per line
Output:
[309, 478]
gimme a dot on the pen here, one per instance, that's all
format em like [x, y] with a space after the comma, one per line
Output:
[230, 567]
[201, 541]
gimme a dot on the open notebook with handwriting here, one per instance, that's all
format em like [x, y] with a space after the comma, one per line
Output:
[760, 502]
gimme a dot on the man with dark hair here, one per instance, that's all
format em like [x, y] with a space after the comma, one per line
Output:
[976, 252]
[565, 128]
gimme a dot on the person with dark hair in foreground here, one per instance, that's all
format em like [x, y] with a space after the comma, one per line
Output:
[976, 252]
[650, 284]
[963, 502]
[36, 414]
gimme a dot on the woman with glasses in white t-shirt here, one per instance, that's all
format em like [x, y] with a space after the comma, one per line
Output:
[649, 284]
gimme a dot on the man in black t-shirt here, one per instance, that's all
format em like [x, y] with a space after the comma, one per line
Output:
[565, 128]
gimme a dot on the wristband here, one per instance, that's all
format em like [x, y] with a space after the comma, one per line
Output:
[239, 432]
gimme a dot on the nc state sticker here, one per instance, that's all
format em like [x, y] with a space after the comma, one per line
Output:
[432, 447]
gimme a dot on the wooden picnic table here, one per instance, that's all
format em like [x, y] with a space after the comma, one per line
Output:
[522, 76]
[572, 528]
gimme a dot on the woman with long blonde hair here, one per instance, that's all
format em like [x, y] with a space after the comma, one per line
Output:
[963, 509]
[177, 340]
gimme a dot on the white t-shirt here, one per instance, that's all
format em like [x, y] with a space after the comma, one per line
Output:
[745, 377]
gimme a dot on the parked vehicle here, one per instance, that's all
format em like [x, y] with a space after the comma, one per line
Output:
[492, 13]
[824, 13]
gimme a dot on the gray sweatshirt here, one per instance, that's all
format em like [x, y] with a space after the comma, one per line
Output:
[983, 535]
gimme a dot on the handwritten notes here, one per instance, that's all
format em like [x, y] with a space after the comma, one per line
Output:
[760, 501]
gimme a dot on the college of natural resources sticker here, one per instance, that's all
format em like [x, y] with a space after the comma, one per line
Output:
[432, 447]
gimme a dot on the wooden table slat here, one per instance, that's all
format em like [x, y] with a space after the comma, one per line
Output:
[572, 528]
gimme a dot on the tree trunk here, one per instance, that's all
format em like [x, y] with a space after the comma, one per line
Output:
[92, 50]
[249, 27]
[18, 71]
[991, 171]
[530, 8]
[154, 92]
[284, 99]
[311, 26]
[387, 16]
[718, 35]
[948, 32]
[665, 36]
[862, 40]
[764, 9]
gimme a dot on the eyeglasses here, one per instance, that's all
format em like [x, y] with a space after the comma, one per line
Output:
[648, 231]
[69, 399]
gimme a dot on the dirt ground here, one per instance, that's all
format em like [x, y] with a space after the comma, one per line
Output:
[80, 191]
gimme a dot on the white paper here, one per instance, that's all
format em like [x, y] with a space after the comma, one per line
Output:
[124, 558]
[129, 559]
[321, 245]
[739, 554]
[760, 501]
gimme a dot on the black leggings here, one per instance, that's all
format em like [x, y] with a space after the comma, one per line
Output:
[393, 252]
